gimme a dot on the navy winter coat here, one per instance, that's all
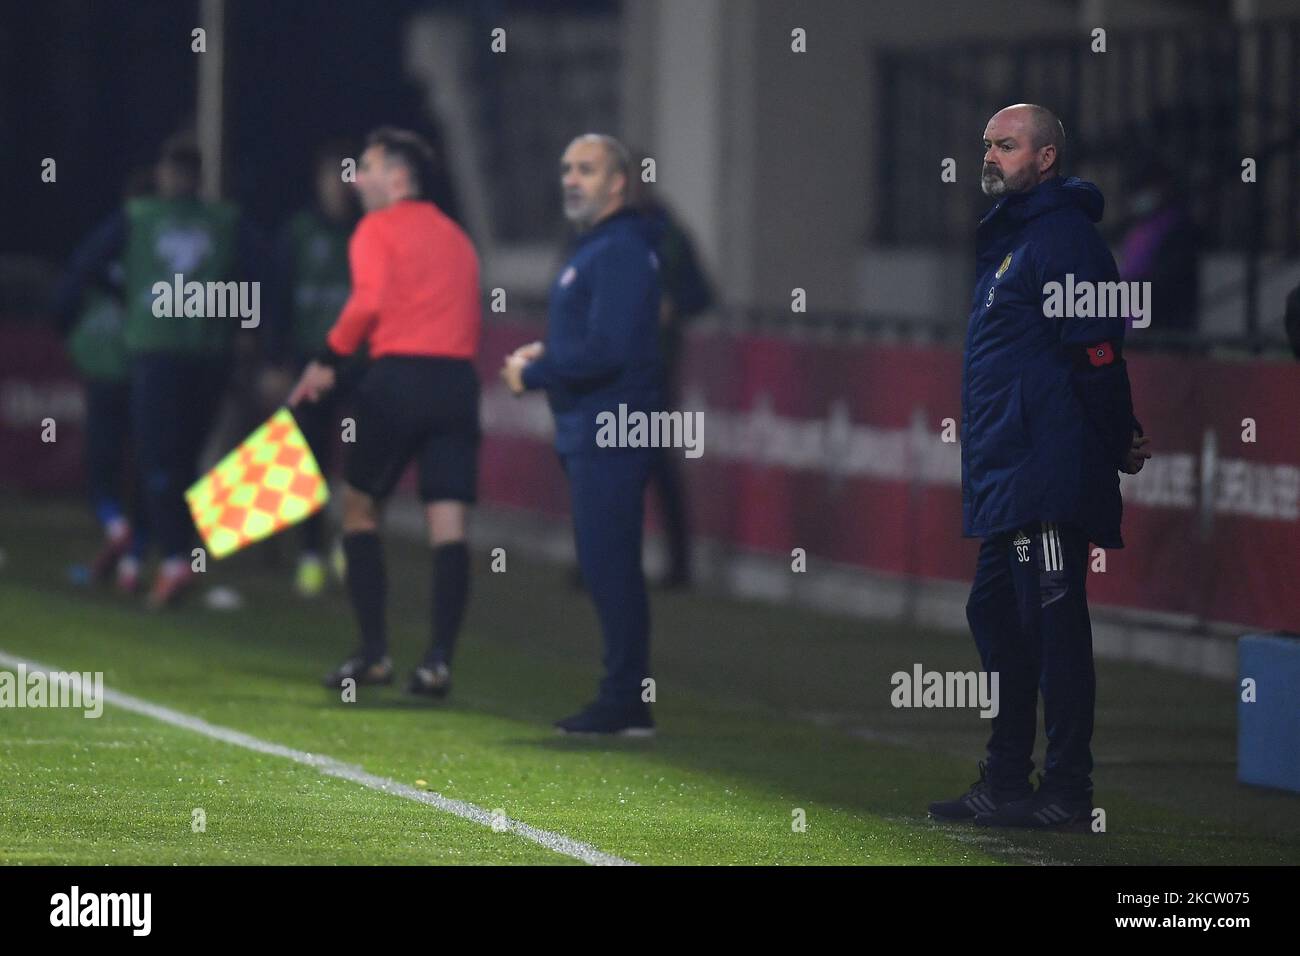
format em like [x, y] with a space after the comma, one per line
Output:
[1046, 422]
[602, 331]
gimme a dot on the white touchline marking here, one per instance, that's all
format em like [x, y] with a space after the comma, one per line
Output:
[556, 842]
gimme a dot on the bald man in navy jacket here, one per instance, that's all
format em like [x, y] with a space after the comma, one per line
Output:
[1047, 428]
[602, 352]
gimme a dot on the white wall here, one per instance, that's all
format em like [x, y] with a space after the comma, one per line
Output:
[768, 155]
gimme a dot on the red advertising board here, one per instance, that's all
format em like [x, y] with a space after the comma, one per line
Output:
[840, 449]
[849, 451]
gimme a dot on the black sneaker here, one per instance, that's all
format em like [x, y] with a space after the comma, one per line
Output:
[430, 680]
[611, 721]
[1046, 808]
[363, 669]
[982, 797]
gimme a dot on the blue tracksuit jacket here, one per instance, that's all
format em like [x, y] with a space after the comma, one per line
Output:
[602, 331]
[1044, 430]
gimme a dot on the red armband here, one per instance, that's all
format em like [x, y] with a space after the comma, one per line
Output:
[1103, 353]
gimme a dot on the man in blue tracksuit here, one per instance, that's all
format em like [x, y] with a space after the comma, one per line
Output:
[1047, 426]
[602, 352]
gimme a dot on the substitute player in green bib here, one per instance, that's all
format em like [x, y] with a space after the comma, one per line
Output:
[93, 323]
[313, 284]
[190, 282]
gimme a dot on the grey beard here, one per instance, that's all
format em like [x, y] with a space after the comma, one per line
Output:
[995, 187]
[578, 216]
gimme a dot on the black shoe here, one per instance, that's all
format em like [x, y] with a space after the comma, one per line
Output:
[363, 668]
[982, 797]
[606, 719]
[430, 680]
[1046, 808]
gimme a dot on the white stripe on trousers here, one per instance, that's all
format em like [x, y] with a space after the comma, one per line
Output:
[1053, 559]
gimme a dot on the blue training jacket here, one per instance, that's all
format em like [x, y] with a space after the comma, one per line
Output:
[1046, 422]
[602, 331]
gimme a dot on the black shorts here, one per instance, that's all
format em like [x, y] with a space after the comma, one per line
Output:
[417, 408]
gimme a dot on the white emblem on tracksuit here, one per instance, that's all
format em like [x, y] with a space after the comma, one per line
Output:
[1022, 547]
[183, 248]
[568, 276]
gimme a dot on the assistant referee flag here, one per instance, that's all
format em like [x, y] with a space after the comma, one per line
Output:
[270, 482]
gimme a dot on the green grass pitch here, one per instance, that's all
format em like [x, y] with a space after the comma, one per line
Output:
[763, 711]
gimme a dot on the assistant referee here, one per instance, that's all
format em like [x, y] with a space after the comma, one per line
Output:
[415, 304]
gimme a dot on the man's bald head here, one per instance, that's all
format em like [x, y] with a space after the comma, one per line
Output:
[620, 160]
[595, 172]
[1045, 127]
[1023, 145]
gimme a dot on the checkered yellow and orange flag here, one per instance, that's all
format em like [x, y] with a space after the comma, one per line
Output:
[270, 482]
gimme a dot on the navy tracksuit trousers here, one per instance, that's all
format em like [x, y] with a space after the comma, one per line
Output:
[174, 403]
[108, 449]
[607, 489]
[1028, 612]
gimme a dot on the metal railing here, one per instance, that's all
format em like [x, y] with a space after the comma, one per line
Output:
[560, 78]
[1200, 98]
[838, 327]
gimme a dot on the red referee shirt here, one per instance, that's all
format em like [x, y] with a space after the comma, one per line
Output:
[414, 285]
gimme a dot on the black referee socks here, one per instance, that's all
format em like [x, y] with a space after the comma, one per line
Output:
[366, 587]
[450, 595]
